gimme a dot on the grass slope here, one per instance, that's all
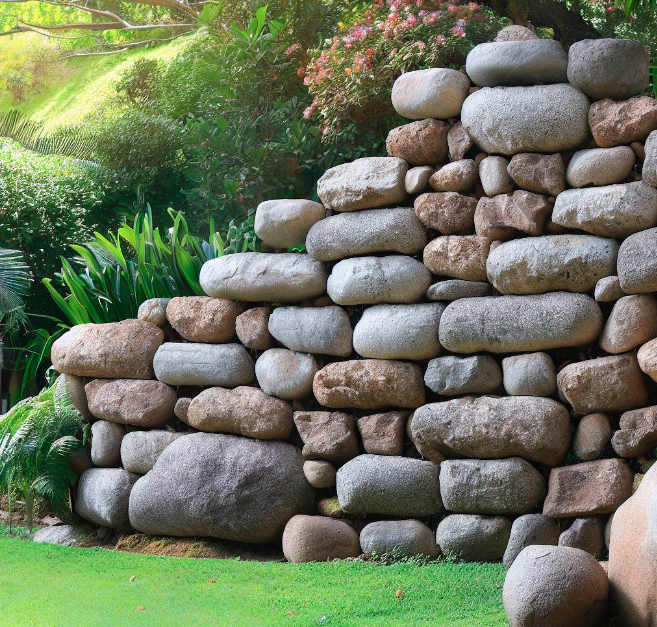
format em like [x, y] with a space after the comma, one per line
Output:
[49, 586]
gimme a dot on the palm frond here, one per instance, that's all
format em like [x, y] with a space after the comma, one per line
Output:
[14, 281]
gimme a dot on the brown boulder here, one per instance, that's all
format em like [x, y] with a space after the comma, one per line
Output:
[592, 435]
[327, 435]
[632, 322]
[369, 384]
[605, 384]
[130, 402]
[450, 213]
[318, 539]
[647, 357]
[203, 319]
[588, 489]
[586, 534]
[506, 216]
[420, 143]
[616, 122]
[383, 434]
[457, 176]
[637, 436]
[458, 256]
[243, 411]
[113, 350]
[542, 174]
[458, 142]
[252, 328]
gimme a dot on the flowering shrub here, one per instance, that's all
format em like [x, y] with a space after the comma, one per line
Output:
[351, 76]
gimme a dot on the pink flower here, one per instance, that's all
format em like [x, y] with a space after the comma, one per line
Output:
[369, 51]
[458, 31]
[440, 40]
[473, 6]
[421, 45]
[358, 68]
[292, 48]
[308, 113]
[452, 8]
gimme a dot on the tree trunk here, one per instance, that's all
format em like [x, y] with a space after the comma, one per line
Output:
[29, 509]
[568, 26]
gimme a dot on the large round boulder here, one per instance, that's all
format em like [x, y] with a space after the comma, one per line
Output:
[286, 374]
[106, 443]
[102, 497]
[318, 539]
[637, 263]
[473, 538]
[399, 537]
[285, 223]
[222, 486]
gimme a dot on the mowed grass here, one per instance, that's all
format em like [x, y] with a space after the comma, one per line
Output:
[50, 586]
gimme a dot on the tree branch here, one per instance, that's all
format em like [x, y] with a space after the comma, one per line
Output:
[122, 48]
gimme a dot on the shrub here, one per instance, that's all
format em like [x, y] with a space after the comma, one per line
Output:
[351, 76]
[140, 83]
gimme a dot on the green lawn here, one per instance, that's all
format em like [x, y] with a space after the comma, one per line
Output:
[49, 586]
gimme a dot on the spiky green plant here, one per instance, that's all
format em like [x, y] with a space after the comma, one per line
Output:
[38, 438]
[14, 287]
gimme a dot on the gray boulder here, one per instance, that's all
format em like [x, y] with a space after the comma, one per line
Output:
[433, 93]
[631, 323]
[389, 485]
[285, 223]
[491, 486]
[286, 374]
[637, 263]
[508, 324]
[417, 179]
[474, 538]
[318, 539]
[608, 289]
[510, 120]
[608, 68]
[221, 486]
[106, 440]
[154, 310]
[223, 365]
[537, 429]
[452, 376]
[494, 176]
[649, 170]
[586, 534]
[592, 435]
[532, 374]
[401, 537]
[515, 32]
[363, 184]
[64, 535]
[552, 263]
[323, 330]
[601, 166]
[399, 331]
[453, 289]
[396, 230]
[529, 530]
[254, 277]
[141, 449]
[102, 497]
[319, 473]
[530, 62]
[608, 211]
[373, 280]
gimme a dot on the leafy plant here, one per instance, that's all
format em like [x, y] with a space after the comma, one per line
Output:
[140, 83]
[14, 287]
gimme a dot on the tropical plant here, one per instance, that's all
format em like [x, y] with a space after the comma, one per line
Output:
[38, 438]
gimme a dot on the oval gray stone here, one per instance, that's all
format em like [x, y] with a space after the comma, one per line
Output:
[608, 68]
[106, 443]
[493, 486]
[103, 495]
[433, 93]
[600, 166]
[222, 486]
[399, 331]
[508, 324]
[608, 289]
[537, 429]
[400, 537]
[141, 449]
[474, 538]
[552, 263]
[363, 184]
[608, 211]
[286, 374]
[637, 263]
[530, 62]
[531, 374]
[451, 375]
[453, 289]
[322, 330]
[389, 485]
[223, 365]
[397, 230]
[543, 118]
[285, 223]
[373, 280]
[529, 530]
[255, 277]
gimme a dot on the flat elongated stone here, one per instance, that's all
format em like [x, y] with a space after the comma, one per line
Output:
[637, 263]
[600, 166]
[608, 211]
[531, 62]
[396, 230]
[453, 289]
[224, 365]
[363, 184]
[510, 120]
[493, 486]
[254, 277]
[323, 330]
[388, 485]
[551, 263]
[537, 429]
[373, 280]
[508, 324]
[451, 375]
[399, 331]
[285, 223]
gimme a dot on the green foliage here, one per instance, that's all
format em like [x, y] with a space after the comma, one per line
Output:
[14, 287]
[115, 274]
[140, 83]
[37, 440]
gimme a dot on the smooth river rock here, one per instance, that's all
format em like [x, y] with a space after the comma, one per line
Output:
[510, 120]
[102, 497]
[395, 230]
[399, 537]
[318, 539]
[452, 376]
[473, 538]
[600, 166]
[508, 324]
[537, 429]
[222, 486]
[637, 263]
[106, 443]
[285, 223]
[535, 265]
[286, 374]
[632, 322]
[528, 530]
[203, 319]
[141, 449]
[531, 374]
